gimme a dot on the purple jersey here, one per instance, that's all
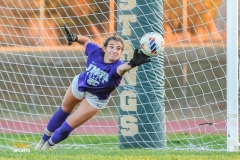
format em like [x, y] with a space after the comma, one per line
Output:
[100, 78]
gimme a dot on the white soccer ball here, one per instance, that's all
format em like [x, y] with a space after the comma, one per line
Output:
[152, 44]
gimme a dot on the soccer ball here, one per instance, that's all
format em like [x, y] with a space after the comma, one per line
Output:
[152, 44]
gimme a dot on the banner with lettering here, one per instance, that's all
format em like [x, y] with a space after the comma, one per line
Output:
[141, 94]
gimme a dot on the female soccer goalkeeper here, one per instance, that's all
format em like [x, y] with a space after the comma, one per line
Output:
[104, 71]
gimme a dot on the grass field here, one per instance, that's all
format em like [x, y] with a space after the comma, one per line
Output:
[103, 148]
[128, 154]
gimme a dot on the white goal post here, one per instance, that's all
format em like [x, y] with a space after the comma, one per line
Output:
[200, 104]
[232, 76]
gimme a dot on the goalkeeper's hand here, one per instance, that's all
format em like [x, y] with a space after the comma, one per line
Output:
[71, 37]
[138, 58]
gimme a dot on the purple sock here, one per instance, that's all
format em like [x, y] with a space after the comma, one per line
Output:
[55, 122]
[60, 134]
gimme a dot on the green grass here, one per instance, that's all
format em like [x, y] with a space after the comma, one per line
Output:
[128, 154]
[106, 147]
[211, 141]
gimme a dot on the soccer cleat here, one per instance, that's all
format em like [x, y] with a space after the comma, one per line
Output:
[46, 146]
[40, 145]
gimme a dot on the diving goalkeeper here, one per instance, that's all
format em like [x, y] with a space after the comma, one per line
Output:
[91, 88]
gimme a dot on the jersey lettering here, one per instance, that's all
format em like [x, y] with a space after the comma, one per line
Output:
[92, 82]
[96, 75]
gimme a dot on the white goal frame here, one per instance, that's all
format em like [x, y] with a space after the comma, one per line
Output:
[232, 75]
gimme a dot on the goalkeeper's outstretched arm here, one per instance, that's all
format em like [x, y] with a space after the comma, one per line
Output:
[138, 59]
[83, 40]
[71, 37]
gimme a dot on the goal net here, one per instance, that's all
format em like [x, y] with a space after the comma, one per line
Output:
[37, 66]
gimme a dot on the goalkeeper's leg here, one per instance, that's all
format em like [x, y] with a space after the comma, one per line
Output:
[68, 105]
[84, 112]
[55, 122]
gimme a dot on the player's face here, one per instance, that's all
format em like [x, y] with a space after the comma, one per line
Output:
[113, 51]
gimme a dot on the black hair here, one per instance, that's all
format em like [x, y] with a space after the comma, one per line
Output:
[115, 38]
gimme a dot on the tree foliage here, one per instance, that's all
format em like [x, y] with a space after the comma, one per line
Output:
[91, 17]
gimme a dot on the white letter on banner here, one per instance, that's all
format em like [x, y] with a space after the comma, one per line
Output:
[128, 101]
[126, 19]
[127, 4]
[129, 129]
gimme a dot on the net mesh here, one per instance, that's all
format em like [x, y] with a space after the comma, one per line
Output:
[37, 67]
